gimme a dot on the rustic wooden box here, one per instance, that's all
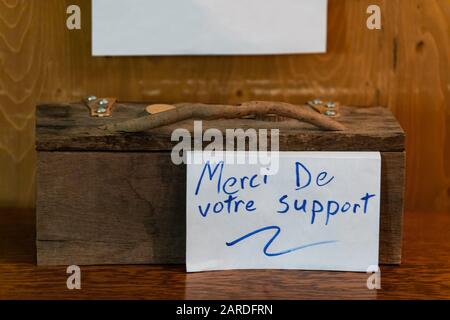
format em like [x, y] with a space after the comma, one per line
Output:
[105, 198]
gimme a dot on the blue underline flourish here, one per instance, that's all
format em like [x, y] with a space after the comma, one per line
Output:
[277, 232]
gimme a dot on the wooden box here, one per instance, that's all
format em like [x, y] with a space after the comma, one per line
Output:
[117, 198]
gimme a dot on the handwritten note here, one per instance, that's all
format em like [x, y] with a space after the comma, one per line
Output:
[319, 212]
[160, 27]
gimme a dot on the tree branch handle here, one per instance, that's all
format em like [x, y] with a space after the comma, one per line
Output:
[184, 111]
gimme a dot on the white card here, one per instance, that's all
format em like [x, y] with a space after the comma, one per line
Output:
[320, 211]
[190, 27]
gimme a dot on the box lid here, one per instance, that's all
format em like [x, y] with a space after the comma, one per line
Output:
[69, 127]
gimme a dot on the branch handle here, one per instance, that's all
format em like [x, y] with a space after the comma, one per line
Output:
[184, 111]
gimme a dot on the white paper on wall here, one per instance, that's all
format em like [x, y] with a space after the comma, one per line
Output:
[320, 211]
[190, 27]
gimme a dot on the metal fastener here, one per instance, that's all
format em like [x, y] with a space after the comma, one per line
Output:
[330, 113]
[102, 105]
[91, 98]
[103, 102]
[101, 110]
[331, 104]
[314, 103]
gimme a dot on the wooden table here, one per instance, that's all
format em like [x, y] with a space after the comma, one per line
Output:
[424, 273]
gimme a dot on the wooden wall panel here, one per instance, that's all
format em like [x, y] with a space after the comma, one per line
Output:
[405, 66]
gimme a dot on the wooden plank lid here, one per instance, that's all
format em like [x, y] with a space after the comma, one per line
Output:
[69, 127]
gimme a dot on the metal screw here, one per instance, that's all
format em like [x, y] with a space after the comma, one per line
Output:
[317, 101]
[102, 104]
[331, 104]
[330, 113]
[101, 110]
[91, 98]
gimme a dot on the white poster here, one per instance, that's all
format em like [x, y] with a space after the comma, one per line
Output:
[320, 211]
[191, 27]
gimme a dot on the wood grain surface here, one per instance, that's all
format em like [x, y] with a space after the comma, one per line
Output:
[404, 66]
[424, 273]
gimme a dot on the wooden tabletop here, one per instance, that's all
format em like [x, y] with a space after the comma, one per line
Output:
[424, 273]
